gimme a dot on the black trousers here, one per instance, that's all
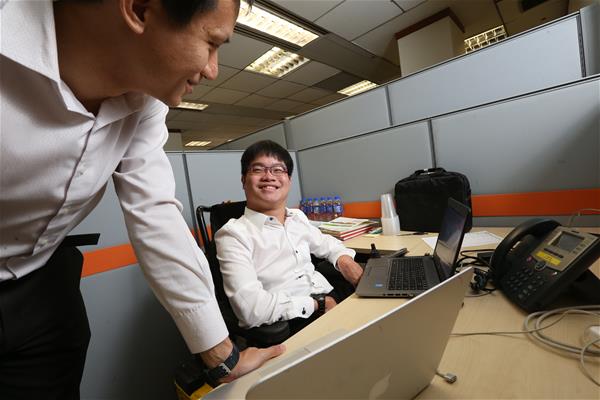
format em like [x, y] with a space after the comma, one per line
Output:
[44, 331]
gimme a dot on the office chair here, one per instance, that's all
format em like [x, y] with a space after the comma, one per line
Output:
[261, 336]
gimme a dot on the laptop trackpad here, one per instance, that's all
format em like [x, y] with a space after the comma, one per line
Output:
[378, 275]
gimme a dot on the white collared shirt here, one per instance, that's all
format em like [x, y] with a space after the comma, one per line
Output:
[56, 159]
[267, 272]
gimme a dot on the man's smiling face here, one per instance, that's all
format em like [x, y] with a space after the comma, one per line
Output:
[266, 190]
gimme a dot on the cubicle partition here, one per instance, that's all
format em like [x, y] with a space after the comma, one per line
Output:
[519, 118]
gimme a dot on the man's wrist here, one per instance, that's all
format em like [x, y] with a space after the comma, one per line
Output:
[217, 354]
[320, 300]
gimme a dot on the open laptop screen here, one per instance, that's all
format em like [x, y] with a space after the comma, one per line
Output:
[451, 232]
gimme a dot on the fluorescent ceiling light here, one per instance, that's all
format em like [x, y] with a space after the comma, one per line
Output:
[192, 106]
[276, 62]
[485, 39]
[198, 143]
[262, 20]
[357, 88]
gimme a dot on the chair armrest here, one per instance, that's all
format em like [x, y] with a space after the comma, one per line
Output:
[269, 335]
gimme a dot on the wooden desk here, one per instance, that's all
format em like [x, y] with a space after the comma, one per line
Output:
[489, 367]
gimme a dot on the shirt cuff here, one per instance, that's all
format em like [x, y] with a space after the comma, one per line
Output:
[303, 307]
[345, 252]
[202, 328]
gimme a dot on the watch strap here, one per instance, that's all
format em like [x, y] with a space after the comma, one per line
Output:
[222, 370]
[320, 298]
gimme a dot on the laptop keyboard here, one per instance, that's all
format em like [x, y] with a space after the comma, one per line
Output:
[407, 274]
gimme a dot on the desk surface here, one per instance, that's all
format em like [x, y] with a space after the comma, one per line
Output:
[486, 366]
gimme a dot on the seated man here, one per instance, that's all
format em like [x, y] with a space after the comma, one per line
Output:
[265, 255]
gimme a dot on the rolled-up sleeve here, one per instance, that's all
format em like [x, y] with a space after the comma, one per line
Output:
[252, 304]
[174, 266]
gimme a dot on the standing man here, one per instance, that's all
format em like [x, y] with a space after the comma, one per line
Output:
[265, 255]
[84, 89]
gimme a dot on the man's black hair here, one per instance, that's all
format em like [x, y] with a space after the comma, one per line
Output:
[266, 148]
[182, 11]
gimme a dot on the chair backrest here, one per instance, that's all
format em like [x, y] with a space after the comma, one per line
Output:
[219, 215]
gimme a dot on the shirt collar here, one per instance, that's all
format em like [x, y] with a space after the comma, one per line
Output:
[259, 219]
[28, 36]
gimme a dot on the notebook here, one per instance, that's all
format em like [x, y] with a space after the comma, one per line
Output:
[394, 356]
[410, 276]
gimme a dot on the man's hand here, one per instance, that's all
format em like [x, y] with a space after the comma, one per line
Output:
[329, 303]
[350, 269]
[250, 359]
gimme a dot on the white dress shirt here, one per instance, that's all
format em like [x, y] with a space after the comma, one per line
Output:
[56, 159]
[267, 272]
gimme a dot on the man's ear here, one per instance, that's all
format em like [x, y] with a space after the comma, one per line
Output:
[134, 14]
[243, 180]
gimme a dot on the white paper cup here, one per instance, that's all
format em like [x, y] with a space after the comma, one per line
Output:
[390, 225]
[387, 206]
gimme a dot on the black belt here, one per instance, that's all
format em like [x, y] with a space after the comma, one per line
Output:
[88, 239]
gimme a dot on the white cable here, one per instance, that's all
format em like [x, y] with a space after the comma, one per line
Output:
[535, 333]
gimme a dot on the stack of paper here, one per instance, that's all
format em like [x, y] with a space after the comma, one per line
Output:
[345, 228]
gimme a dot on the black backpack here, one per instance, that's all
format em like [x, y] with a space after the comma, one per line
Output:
[421, 198]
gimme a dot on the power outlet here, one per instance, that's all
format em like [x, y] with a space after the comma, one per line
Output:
[592, 333]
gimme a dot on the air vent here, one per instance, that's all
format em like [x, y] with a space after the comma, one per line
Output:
[529, 4]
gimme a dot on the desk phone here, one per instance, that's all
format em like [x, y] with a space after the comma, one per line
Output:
[540, 259]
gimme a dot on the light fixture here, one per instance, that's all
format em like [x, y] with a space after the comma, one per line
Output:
[485, 39]
[276, 62]
[357, 88]
[192, 106]
[198, 143]
[262, 20]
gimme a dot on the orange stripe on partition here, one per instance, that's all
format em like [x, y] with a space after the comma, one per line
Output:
[109, 258]
[366, 209]
[562, 202]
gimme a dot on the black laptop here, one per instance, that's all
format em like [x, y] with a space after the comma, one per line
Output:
[410, 276]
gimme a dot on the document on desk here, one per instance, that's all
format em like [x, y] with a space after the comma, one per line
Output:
[471, 239]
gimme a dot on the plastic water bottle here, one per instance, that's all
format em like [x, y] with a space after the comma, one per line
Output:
[329, 211]
[316, 209]
[309, 208]
[323, 209]
[338, 207]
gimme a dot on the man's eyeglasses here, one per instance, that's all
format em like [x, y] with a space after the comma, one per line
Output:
[275, 170]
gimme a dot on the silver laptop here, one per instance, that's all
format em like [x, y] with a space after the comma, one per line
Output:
[410, 276]
[393, 357]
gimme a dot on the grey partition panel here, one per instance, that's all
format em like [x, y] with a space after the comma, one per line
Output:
[215, 176]
[107, 218]
[135, 345]
[535, 60]
[548, 141]
[361, 169]
[590, 34]
[274, 133]
[356, 115]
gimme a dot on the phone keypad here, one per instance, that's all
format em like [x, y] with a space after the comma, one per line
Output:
[524, 282]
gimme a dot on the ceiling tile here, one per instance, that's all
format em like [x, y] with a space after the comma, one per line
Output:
[241, 51]
[308, 9]
[311, 73]
[364, 14]
[328, 99]
[406, 5]
[198, 92]
[377, 40]
[284, 105]
[309, 94]
[225, 73]
[254, 100]
[281, 89]
[224, 96]
[248, 82]
[303, 108]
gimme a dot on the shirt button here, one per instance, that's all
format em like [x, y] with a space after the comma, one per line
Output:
[303, 311]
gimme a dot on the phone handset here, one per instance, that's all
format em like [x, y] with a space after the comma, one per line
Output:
[535, 227]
